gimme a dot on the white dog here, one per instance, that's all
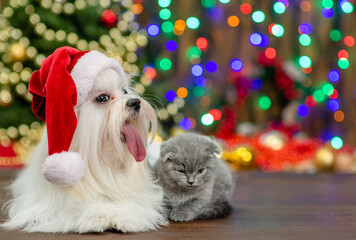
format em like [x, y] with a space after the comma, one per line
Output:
[115, 191]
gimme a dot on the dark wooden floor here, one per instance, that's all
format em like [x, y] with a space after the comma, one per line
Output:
[267, 206]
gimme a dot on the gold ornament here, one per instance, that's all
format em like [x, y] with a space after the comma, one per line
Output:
[18, 52]
[273, 139]
[325, 159]
[242, 157]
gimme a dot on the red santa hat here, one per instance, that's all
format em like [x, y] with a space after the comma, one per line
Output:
[63, 82]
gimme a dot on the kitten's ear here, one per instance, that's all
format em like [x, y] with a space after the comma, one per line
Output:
[166, 156]
[212, 147]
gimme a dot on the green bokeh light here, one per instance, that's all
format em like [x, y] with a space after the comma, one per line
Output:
[193, 22]
[207, 119]
[277, 30]
[279, 7]
[165, 14]
[208, 3]
[165, 64]
[224, 1]
[318, 95]
[264, 102]
[304, 40]
[335, 35]
[336, 142]
[198, 91]
[305, 61]
[194, 52]
[347, 7]
[327, 3]
[343, 63]
[167, 27]
[328, 89]
[164, 3]
[258, 16]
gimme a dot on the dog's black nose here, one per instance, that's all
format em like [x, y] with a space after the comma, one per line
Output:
[134, 103]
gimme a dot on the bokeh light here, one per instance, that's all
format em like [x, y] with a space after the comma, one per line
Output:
[200, 81]
[193, 22]
[182, 92]
[264, 102]
[336, 142]
[197, 70]
[255, 39]
[264, 41]
[335, 35]
[171, 45]
[167, 27]
[349, 41]
[334, 76]
[339, 116]
[164, 3]
[185, 124]
[333, 105]
[256, 83]
[327, 12]
[304, 40]
[202, 43]
[216, 113]
[304, 28]
[233, 21]
[305, 61]
[302, 110]
[165, 14]
[277, 30]
[198, 91]
[346, 6]
[150, 73]
[236, 65]
[165, 64]
[208, 3]
[328, 89]
[327, 3]
[343, 63]
[305, 6]
[258, 16]
[170, 95]
[211, 66]
[153, 30]
[246, 8]
[207, 119]
[279, 7]
[270, 53]
[318, 95]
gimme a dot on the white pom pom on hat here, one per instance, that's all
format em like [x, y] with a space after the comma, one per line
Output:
[64, 81]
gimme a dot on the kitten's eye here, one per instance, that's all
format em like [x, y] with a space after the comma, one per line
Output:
[200, 171]
[181, 171]
[102, 98]
[124, 90]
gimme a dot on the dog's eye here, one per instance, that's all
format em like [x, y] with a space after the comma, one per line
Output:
[124, 90]
[200, 171]
[102, 98]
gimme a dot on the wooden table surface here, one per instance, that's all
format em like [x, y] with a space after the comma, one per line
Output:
[266, 206]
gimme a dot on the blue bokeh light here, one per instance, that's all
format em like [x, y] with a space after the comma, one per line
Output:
[305, 28]
[170, 95]
[334, 76]
[333, 105]
[200, 81]
[197, 70]
[302, 110]
[255, 39]
[211, 66]
[236, 65]
[185, 124]
[264, 41]
[153, 30]
[256, 83]
[327, 12]
[171, 45]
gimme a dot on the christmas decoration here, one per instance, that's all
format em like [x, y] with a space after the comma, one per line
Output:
[325, 159]
[109, 18]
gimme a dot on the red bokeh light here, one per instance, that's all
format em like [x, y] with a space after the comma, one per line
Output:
[216, 114]
[150, 73]
[270, 53]
[343, 54]
[202, 43]
[245, 8]
[349, 41]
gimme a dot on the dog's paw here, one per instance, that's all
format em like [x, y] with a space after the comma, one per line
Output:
[180, 216]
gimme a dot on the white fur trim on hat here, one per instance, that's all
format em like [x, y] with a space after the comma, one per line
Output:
[88, 68]
[63, 169]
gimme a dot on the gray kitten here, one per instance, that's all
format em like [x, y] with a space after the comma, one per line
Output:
[196, 184]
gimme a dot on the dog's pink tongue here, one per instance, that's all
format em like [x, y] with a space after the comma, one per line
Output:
[134, 142]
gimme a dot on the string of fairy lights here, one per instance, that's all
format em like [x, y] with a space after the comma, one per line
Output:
[121, 43]
[321, 93]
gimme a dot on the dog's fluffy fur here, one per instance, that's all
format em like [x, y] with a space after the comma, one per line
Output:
[116, 192]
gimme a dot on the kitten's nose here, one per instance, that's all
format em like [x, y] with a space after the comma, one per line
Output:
[134, 103]
[191, 181]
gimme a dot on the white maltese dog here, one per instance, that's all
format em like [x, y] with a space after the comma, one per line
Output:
[86, 174]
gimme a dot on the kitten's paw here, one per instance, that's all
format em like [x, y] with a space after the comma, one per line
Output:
[180, 216]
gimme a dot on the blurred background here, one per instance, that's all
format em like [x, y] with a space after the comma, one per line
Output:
[272, 81]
